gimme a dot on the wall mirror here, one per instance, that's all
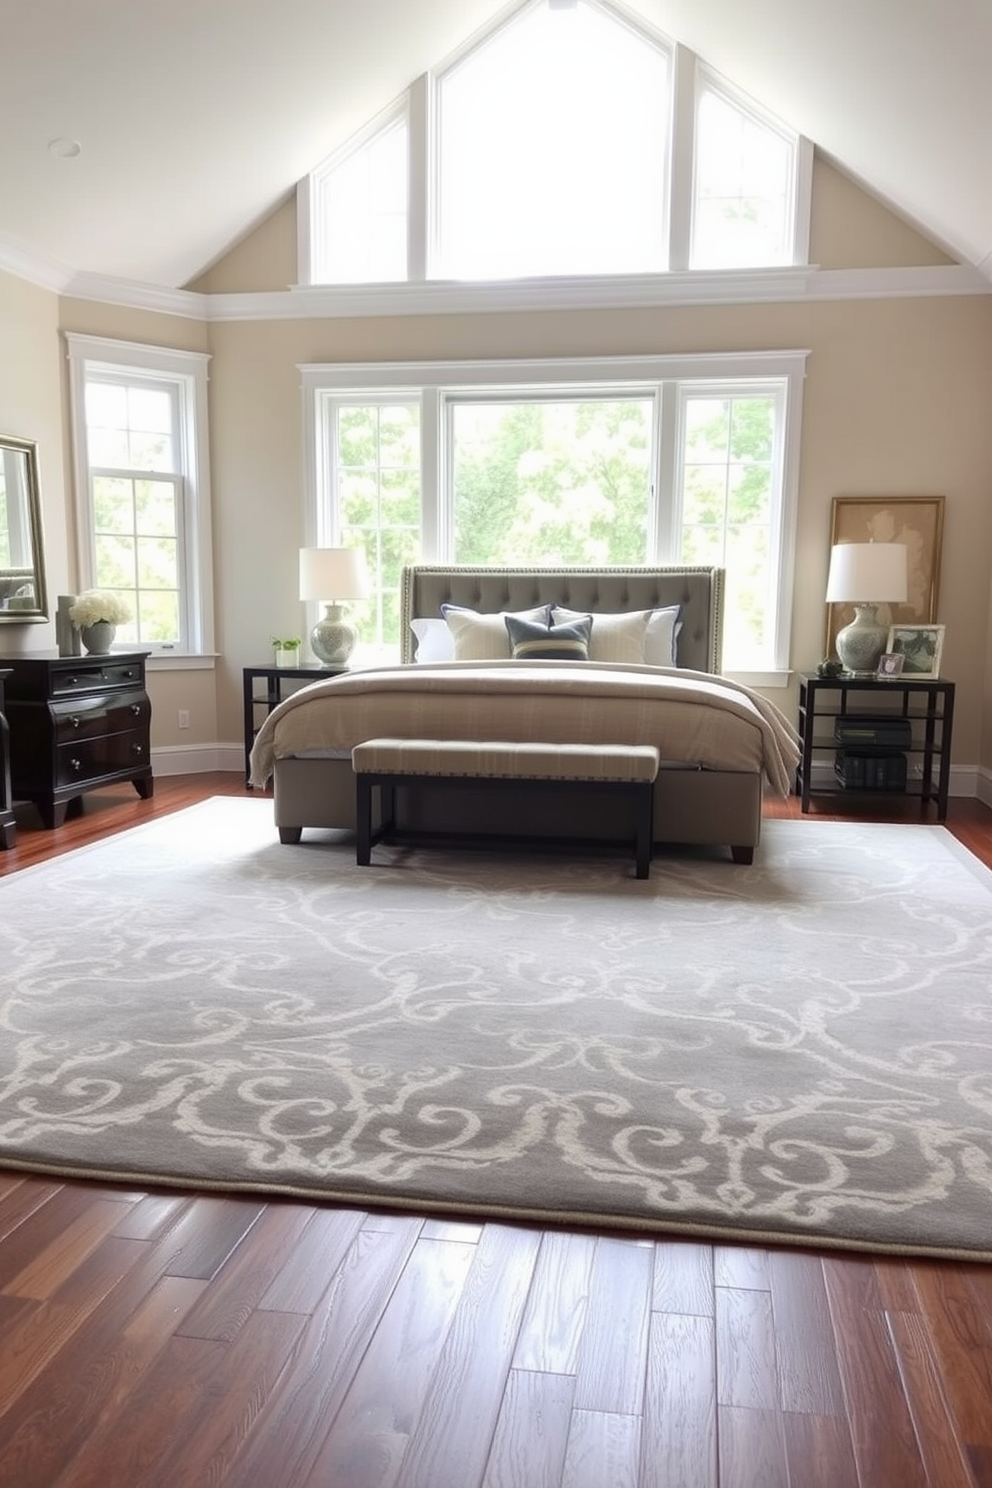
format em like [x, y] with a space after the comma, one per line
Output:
[22, 562]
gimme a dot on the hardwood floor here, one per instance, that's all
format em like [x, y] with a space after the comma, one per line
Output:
[168, 1338]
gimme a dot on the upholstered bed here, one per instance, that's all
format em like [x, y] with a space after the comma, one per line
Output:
[720, 743]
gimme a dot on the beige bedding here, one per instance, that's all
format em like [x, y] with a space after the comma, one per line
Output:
[692, 717]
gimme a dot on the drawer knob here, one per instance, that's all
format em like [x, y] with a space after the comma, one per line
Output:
[76, 766]
[137, 749]
[75, 721]
[136, 709]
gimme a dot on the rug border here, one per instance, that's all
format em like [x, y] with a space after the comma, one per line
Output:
[657, 1229]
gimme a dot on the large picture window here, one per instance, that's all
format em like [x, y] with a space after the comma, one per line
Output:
[669, 460]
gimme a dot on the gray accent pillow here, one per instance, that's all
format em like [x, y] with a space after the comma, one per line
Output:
[532, 641]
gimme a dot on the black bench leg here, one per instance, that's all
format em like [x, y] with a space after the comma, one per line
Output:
[643, 828]
[363, 821]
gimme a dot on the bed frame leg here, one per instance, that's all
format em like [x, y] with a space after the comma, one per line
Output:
[742, 855]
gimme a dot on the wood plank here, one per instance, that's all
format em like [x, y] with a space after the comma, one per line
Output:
[309, 1269]
[532, 1431]
[371, 1431]
[310, 1393]
[86, 1384]
[206, 1233]
[227, 1306]
[743, 1267]
[20, 1201]
[809, 1380]
[871, 1380]
[603, 1451]
[746, 1372]
[819, 1452]
[961, 1343]
[684, 1279]
[752, 1449]
[679, 1429]
[41, 1227]
[164, 1407]
[556, 1308]
[941, 1447]
[153, 1214]
[38, 1336]
[613, 1352]
[450, 1445]
[217, 1428]
[66, 1251]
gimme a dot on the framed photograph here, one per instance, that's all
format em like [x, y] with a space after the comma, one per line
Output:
[917, 521]
[920, 647]
[890, 665]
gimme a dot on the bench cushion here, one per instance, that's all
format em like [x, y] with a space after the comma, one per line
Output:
[500, 760]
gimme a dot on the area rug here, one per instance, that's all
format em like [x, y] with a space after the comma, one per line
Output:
[799, 1051]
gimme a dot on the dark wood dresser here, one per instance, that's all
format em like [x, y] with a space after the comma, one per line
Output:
[76, 722]
[8, 830]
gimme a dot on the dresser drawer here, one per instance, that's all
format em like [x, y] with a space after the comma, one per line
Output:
[89, 759]
[95, 676]
[109, 713]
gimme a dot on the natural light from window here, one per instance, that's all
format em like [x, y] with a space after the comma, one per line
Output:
[743, 195]
[553, 150]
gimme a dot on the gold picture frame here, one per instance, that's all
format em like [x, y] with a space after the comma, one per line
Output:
[917, 521]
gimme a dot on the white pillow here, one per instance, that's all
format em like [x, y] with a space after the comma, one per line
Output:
[642, 636]
[480, 637]
[434, 640]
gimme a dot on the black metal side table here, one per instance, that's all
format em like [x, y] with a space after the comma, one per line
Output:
[926, 705]
[274, 677]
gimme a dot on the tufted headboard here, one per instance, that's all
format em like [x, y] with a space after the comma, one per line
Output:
[425, 587]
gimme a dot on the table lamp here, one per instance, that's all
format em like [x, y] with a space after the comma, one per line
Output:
[865, 575]
[332, 575]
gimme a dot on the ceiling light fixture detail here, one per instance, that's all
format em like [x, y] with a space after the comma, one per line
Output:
[63, 148]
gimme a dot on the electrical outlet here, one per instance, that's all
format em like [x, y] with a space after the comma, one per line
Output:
[184, 718]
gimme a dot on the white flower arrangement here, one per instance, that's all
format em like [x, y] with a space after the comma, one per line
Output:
[99, 604]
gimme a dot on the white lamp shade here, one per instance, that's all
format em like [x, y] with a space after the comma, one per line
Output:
[333, 573]
[867, 573]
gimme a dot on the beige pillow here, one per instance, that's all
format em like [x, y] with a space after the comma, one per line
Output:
[636, 635]
[480, 637]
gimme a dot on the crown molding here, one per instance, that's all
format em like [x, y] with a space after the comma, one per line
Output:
[632, 291]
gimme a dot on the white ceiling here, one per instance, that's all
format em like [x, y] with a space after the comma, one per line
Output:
[197, 117]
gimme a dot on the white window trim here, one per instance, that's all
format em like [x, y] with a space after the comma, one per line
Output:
[323, 383]
[188, 370]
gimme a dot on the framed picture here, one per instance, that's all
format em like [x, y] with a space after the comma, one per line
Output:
[917, 521]
[920, 647]
[890, 665]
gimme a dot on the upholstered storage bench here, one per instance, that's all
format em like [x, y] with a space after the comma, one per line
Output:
[625, 770]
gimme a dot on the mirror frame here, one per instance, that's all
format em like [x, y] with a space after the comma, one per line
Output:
[36, 573]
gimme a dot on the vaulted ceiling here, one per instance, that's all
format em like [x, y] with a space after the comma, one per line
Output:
[196, 118]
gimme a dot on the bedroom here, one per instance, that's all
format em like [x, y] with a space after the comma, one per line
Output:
[895, 402]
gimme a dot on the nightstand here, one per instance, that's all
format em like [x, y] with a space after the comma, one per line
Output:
[274, 677]
[76, 722]
[876, 739]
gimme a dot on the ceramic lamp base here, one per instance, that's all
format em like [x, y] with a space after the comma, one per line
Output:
[860, 644]
[333, 638]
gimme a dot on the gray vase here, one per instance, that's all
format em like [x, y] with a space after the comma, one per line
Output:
[98, 637]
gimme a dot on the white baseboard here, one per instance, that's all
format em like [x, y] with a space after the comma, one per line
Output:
[197, 759]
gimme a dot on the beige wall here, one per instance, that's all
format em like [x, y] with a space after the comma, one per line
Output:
[895, 403]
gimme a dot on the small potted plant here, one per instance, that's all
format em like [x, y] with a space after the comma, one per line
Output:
[286, 652]
[96, 614]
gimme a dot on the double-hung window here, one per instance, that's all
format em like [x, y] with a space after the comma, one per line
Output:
[142, 487]
[602, 461]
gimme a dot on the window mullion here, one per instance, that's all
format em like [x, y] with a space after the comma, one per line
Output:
[421, 187]
[435, 493]
[683, 148]
[668, 502]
